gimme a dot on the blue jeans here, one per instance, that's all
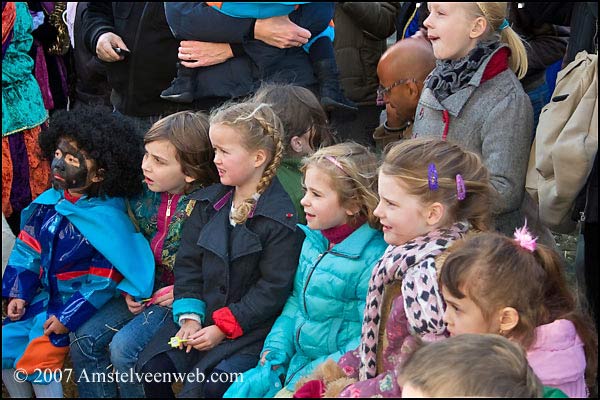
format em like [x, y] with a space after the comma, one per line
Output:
[114, 327]
[539, 98]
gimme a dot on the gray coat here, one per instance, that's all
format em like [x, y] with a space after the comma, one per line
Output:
[494, 119]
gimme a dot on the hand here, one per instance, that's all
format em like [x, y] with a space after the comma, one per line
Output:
[53, 325]
[15, 309]
[280, 32]
[163, 297]
[203, 54]
[105, 47]
[263, 360]
[207, 338]
[188, 328]
[133, 306]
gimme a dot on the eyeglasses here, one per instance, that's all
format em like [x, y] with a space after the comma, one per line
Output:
[382, 91]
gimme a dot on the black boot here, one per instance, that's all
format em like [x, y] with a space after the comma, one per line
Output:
[182, 87]
[332, 96]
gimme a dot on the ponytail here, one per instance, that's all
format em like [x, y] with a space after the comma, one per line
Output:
[495, 14]
[496, 272]
[518, 58]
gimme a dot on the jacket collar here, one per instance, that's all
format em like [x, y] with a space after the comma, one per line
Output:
[455, 102]
[274, 203]
[352, 247]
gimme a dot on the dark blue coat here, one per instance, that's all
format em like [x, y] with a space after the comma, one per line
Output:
[239, 75]
[248, 268]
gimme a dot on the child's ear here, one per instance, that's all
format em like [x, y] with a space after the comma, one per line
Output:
[189, 179]
[479, 27]
[509, 318]
[98, 176]
[434, 213]
[296, 144]
[353, 209]
[260, 157]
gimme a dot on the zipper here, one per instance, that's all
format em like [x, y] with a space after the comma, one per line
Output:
[313, 270]
[308, 280]
[294, 374]
[321, 256]
[167, 215]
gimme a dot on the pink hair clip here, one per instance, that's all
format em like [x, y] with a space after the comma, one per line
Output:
[524, 238]
[461, 191]
[335, 162]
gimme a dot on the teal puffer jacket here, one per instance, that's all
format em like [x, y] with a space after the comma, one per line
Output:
[322, 319]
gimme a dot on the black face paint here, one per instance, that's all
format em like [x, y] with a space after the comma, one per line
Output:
[64, 174]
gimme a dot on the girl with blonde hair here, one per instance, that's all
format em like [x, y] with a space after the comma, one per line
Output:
[473, 97]
[343, 242]
[235, 266]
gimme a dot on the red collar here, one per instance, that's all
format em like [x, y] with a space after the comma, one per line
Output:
[497, 64]
[337, 234]
[71, 197]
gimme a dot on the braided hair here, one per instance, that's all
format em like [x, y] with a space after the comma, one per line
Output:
[260, 128]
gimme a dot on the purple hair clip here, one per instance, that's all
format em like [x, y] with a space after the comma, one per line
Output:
[461, 191]
[524, 238]
[432, 177]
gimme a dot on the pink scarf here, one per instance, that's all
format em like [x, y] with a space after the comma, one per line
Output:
[414, 263]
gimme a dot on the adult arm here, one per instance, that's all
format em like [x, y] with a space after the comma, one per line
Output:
[376, 19]
[200, 22]
[98, 32]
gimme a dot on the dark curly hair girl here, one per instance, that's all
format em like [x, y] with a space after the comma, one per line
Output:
[110, 139]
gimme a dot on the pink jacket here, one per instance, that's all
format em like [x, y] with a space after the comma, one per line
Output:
[557, 357]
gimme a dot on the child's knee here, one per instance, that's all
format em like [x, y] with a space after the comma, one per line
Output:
[122, 352]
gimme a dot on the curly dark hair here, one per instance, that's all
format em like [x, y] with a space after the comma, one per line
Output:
[111, 139]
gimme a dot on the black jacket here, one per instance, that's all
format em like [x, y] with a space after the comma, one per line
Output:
[248, 268]
[239, 75]
[91, 85]
[138, 80]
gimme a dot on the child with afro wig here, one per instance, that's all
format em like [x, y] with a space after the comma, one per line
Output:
[77, 247]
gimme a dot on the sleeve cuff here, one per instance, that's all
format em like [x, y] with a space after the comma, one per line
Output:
[251, 31]
[188, 306]
[226, 322]
[237, 49]
[195, 317]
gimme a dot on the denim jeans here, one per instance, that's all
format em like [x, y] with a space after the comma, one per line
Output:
[113, 327]
[539, 98]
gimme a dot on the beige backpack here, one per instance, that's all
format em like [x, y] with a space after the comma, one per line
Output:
[566, 143]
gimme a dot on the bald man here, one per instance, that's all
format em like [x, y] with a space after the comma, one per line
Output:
[402, 69]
